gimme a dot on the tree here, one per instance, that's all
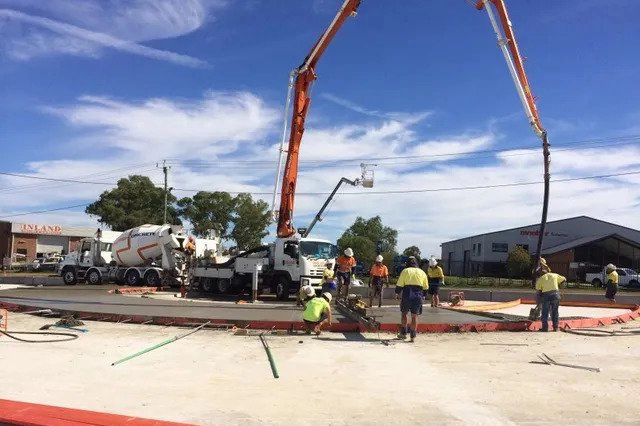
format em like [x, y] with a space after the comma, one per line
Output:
[412, 251]
[208, 210]
[134, 202]
[519, 263]
[363, 236]
[250, 221]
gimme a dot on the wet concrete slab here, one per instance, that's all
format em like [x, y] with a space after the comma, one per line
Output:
[99, 301]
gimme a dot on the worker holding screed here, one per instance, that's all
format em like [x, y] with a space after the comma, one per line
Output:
[548, 288]
[317, 313]
[413, 284]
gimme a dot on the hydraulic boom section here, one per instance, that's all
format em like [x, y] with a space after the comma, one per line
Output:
[509, 47]
[305, 75]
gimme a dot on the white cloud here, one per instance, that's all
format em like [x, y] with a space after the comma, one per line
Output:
[206, 128]
[84, 28]
[226, 141]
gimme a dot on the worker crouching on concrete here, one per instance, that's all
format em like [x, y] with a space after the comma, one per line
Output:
[317, 313]
[305, 294]
[612, 283]
[344, 266]
[378, 276]
[436, 279]
[548, 287]
[413, 284]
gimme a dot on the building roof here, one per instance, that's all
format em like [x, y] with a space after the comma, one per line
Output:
[586, 240]
[538, 224]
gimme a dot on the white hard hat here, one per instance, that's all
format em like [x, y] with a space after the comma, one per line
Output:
[327, 296]
[379, 258]
[308, 290]
[348, 252]
[611, 266]
[433, 261]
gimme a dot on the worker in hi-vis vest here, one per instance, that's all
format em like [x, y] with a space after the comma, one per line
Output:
[413, 284]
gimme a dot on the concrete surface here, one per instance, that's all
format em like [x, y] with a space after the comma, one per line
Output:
[96, 299]
[213, 377]
[567, 311]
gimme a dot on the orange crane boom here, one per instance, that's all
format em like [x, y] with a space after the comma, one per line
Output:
[305, 75]
[509, 47]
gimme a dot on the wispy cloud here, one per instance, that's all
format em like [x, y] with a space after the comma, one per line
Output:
[373, 113]
[85, 40]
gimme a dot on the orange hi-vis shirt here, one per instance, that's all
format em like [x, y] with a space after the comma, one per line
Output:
[345, 264]
[379, 271]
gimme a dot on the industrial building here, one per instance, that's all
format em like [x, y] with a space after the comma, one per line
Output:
[28, 241]
[571, 247]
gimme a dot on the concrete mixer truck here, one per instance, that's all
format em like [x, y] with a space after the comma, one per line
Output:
[149, 254]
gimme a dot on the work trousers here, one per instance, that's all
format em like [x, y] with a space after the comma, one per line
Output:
[550, 302]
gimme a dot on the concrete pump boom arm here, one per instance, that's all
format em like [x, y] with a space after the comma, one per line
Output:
[509, 48]
[305, 75]
[511, 53]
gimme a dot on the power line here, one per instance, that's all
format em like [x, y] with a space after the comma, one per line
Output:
[597, 142]
[46, 211]
[453, 188]
[622, 140]
[407, 191]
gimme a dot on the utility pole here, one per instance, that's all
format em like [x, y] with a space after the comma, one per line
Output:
[165, 170]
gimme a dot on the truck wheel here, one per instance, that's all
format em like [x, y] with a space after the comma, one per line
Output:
[282, 288]
[596, 283]
[206, 285]
[93, 277]
[223, 286]
[69, 276]
[634, 284]
[119, 276]
[152, 278]
[132, 277]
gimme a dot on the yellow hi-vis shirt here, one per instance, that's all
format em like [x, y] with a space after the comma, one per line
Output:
[314, 309]
[435, 272]
[413, 276]
[613, 277]
[327, 274]
[549, 282]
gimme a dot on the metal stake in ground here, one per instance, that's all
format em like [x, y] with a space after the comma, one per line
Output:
[166, 342]
[272, 362]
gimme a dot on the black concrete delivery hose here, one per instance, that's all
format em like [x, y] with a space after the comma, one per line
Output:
[545, 205]
[69, 336]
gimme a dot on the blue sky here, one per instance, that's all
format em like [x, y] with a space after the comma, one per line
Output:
[96, 90]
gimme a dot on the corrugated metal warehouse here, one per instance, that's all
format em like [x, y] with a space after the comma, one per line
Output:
[570, 246]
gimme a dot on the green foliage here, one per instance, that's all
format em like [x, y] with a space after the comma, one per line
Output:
[250, 221]
[134, 202]
[208, 210]
[412, 251]
[363, 235]
[519, 263]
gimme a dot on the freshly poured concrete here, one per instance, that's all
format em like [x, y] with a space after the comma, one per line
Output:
[99, 301]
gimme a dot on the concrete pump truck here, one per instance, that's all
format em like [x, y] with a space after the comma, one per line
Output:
[290, 261]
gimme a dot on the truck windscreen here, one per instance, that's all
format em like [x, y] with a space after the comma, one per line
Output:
[318, 250]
